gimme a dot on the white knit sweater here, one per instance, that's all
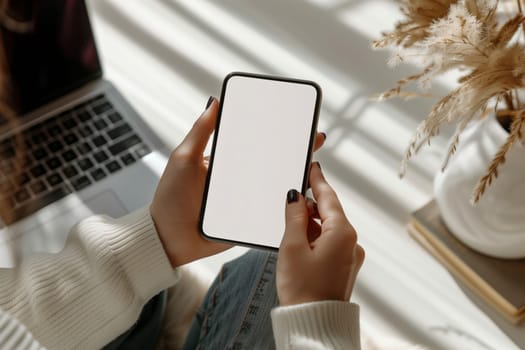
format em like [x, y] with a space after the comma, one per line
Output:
[94, 290]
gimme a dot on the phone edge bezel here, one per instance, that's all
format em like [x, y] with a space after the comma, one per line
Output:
[306, 173]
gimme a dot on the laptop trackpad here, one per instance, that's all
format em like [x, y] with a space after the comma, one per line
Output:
[48, 231]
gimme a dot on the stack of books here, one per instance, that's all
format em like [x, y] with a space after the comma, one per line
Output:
[499, 282]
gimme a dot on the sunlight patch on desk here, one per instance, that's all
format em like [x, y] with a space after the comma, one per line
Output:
[180, 34]
[359, 160]
[387, 265]
[269, 51]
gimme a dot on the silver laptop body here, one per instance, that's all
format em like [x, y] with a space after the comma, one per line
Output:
[87, 151]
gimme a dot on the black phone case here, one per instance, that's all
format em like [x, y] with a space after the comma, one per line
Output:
[215, 140]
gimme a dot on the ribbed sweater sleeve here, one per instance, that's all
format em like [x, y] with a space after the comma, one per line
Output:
[90, 292]
[317, 325]
[14, 336]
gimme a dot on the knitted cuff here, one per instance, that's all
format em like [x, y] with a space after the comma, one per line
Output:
[330, 324]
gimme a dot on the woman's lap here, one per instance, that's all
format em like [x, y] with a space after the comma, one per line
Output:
[235, 313]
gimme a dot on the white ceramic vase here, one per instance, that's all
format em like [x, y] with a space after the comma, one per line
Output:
[496, 224]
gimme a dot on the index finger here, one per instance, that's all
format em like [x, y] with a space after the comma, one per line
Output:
[197, 138]
[328, 205]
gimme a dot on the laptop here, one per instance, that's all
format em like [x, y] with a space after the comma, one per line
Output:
[85, 150]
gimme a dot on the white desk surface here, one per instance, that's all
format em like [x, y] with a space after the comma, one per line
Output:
[168, 56]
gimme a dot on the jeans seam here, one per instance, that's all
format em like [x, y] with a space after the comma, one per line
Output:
[208, 310]
[252, 294]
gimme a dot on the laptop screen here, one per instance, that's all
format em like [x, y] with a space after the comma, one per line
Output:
[46, 50]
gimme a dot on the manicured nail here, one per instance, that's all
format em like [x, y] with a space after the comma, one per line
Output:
[292, 196]
[210, 101]
[324, 135]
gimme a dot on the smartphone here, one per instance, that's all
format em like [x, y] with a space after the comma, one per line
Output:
[262, 147]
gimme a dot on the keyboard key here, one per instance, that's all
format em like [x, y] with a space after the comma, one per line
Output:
[55, 146]
[28, 160]
[100, 156]
[101, 108]
[53, 163]
[40, 153]
[99, 141]
[69, 155]
[36, 204]
[85, 131]
[119, 131]
[84, 116]
[69, 122]
[21, 179]
[70, 171]
[84, 148]
[38, 187]
[54, 179]
[70, 139]
[124, 144]
[113, 166]
[38, 170]
[38, 138]
[21, 196]
[98, 98]
[115, 117]
[142, 150]
[100, 124]
[85, 164]
[54, 130]
[98, 174]
[80, 182]
[127, 159]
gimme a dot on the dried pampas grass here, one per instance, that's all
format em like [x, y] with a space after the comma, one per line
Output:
[465, 34]
[419, 16]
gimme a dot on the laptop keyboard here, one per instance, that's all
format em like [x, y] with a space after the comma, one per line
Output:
[66, 153]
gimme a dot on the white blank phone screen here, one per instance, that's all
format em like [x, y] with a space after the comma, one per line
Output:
[260, 153]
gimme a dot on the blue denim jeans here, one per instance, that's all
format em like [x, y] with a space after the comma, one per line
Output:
[235, 313]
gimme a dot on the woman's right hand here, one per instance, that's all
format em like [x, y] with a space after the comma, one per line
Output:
[317, 261]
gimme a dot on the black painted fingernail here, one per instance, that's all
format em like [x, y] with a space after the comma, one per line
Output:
[324, 135]
[210, 101]
[292, 196]
[318, 165]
